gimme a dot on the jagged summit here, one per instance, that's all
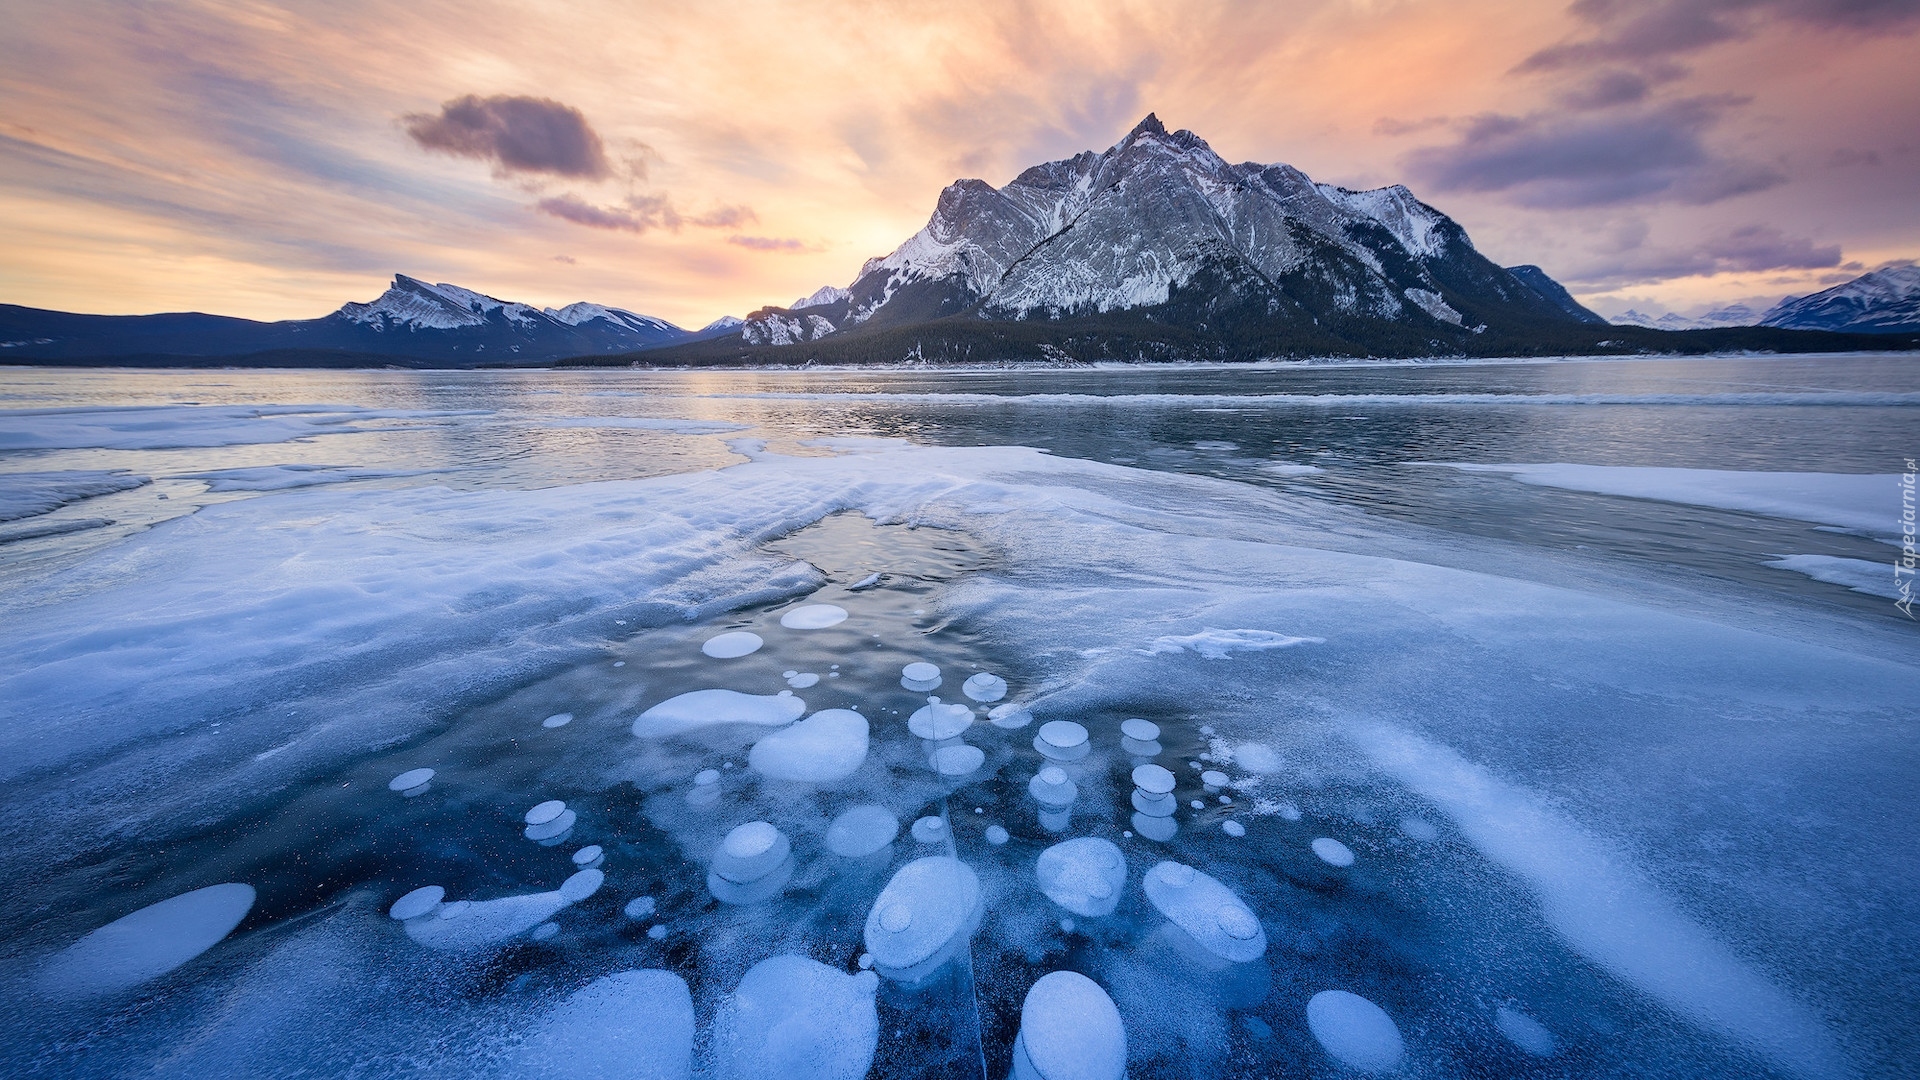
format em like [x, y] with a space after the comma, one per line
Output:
[1159, 224]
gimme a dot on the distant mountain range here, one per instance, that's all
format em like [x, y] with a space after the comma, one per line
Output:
[1155, 249]
[412, 321]
[1883, 302]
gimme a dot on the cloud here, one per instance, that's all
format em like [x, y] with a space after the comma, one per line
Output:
[1557, 161]
[767, 243]
[1749, 249]
[640, 214]
[1608, 89]
[568, 259]
[727, 217]
[518, 134]
[1390, 126]
[1642, 31]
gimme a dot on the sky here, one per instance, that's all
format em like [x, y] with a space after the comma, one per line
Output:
[692, 160]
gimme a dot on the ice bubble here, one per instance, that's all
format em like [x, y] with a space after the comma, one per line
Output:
[1215, 779]
[1206, 729]
[561, 719]
[830, 745]
[984, 686]
[552, 831]
[640, 907]
[1061, 740]
[792, 1018]
[1085, 875]
[588, 856]
[813, 617]
[1289, 811]
[707, 708]
[1140, 730]
[937, 721]
[861, 831]
[1233, 828]
[929, 830]
[1524, 1031]
[1069, 1030]
[1011, 715]
[803, 680]
[751, 852]
[544, 931]
[865, 961]
[942, 901]
[1157, 806]
[1257, 1027]
[1355, 1031]
[657, 932]
[417, 903]
[920, 676]
[1333, 852]
[731, 644]
[461, 926]
[1197, 804]
[411, 779]
[1418, 828]
[1154, 779]
[1066, 926]
[706, 776]
[1207, 910]
[788, 674]
[1051, 787]
[545, 812]
[1157, 829]
[1140, 750]
[629, 1024]
[957, 760]
[1258, 758]
[619, 663]
[997, 835]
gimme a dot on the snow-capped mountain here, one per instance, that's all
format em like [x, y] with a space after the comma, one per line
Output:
[1537, 279]
[441, 324]
[1882, 302]
[1160, 226]
[1730, 315]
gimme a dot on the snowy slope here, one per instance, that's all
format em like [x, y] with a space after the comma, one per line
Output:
[1731, 315]
[1882, 302]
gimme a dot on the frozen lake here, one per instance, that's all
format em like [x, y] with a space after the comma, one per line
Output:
[1542, 719]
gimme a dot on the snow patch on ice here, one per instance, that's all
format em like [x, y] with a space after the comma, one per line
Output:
[1869, 503]
[1216, 644]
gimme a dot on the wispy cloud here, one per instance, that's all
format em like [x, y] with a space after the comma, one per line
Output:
[768, 243]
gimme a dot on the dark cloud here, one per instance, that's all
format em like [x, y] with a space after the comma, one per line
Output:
[1608, 89]
[727, 217]
[767, 243]
[1390, 126]
[1749, 249]
[640, 214]
[1642, 31]
[1559, 160]
[517, 134]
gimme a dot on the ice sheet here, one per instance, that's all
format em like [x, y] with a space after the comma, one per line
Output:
[1874, 579]
[28, 494]
[282, 477]
[160, 427]
[1868, 503]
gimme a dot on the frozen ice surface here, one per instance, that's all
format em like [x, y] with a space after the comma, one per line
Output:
[150, 942]
[1418, 828]
[708, 708]
[1208, 911]
[937, 721]
[1257, 758]
[813, 617]
[162, 427]
[1866, 502]
[792, 1018]
[1085, 875]
[1524, 1031]
[1069, 1030]
[1216, 644]
[417, 903]
[557, 720]
[410, 779]
[636, 1025]
[284, 477]
[1333, 852]
[1355, 1031]
[862, 830]
[1871, 578]
[1011, 716]
[984, 686]
[732, 644]
[826, 747]
[30, 494]
[923, 917]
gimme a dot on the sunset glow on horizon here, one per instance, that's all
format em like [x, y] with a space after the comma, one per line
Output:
[273, 160]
